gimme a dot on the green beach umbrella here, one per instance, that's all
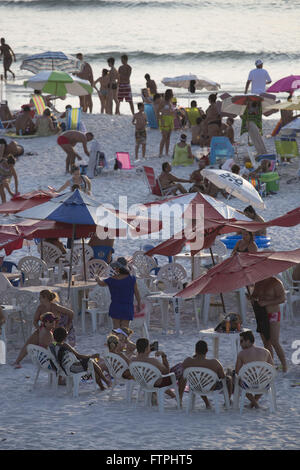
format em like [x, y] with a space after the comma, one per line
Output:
[59, 83]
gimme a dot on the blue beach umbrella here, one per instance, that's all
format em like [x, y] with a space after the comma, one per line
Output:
[51, 61]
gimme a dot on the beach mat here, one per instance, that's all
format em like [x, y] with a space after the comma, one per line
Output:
[151, 118]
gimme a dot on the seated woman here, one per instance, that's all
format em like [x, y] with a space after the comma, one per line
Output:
[250, 212]
[24, 123]
[246, 244]
[103, 249]
[182, 154]
[42, 336]
[81, 361]
[44, 124]
[124, 334]
[115, 346]
[48, 303]
[82, 180]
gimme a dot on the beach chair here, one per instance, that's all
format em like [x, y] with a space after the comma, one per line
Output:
[97, 304]
[200, 381]
[151, 181]
[74, 378]
[33, 269]
[146, 375]
[73, 118]
[286, 147]
[40, 357]
[123, 160]
[256, 378]
[220, 149]
[151, 117]
[117, 366]
[39, 104]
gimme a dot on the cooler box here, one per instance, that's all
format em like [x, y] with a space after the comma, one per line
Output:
[271, 179]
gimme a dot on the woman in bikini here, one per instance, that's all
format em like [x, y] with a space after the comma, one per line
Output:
[42, 336]
[246, 244]
[166, 115]
[7, 171]
[103, 91]
[64, 316]
[81, 180]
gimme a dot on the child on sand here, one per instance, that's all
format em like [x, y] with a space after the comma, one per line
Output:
[140, 122]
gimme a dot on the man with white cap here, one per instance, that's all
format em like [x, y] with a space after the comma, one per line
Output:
[258, 78]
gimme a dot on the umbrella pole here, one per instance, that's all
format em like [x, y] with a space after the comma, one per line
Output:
[71, 261]
[221, 294]
[42, 253]
[83, 256]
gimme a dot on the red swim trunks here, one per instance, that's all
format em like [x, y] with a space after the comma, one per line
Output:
[62, 140]
[125, 92]
[275, 316]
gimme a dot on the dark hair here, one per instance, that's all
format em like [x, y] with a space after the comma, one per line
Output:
[248, 336]
[192, 87]
[168, 94]
[199, 120]
[230, 119]
[111, 60]
[105, 71]
[11, 160]
[183, 137]
[201, 347]
[74, 187]
[124, 269]
[37, 92]
[193, 104]
[142, 344]
[59, 334]
[147, 76]
[74, 168]
[124, 56]
[47, 112]
[164, 166]
[140, 105]
[3, 142]
[89, 133]
[251, 235]
[26, 108]
[212, 97]
[235, 169]
[249, 209]
[157, 95]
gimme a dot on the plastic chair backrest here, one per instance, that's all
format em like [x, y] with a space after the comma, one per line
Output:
[39, 356]
[50, 253]
[143, 263]
[200, 379]
[124, 159]
[145, 374]
[39, 104]
[97, 267]
[115, 364]
[101, 296]
[172, 275]
[257, 375]
[73, 119]
[220, 147]
[32, 266]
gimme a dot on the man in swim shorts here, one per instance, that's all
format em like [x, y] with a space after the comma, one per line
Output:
[266, 298]
[124, 91]
[140, 122]
[67, 141]
[251, 353]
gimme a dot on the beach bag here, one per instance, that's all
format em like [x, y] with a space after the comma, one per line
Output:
[235, 323]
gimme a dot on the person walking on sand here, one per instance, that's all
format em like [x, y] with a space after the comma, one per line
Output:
[8, 56]
[266, 298]
[86, 73]
[140, 122]
[113, 86]
[258, 78]
[67, 141]
[124, 82]
[251, 353]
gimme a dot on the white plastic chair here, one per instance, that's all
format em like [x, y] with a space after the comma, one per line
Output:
[172, 275]
[117, 366]
[97, 267]
[33, 269]
[146, 375]
[73, 378]
[219, 248]
[258, 378]
[50, 254]
[292, 291]
[40, 357]
[143, 264]
[97, 304]
[200, 381]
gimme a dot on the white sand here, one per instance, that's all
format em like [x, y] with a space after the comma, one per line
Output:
[38, 420]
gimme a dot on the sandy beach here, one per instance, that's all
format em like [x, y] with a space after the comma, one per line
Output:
[36, 419]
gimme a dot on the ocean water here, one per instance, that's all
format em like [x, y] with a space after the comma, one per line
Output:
[217, 39]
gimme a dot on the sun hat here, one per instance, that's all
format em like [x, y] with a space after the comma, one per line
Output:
[258, 62]
[183, 137]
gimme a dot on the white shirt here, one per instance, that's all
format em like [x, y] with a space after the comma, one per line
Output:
[258, 78]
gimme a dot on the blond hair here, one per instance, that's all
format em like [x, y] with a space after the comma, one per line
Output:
[112, 340]
[50, 295]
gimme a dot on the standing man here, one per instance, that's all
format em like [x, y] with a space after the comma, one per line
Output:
[124, 83]
[258, 78]
[113, 86]
[8, 56]
[151, 85]
[86, 73]
[266, 298]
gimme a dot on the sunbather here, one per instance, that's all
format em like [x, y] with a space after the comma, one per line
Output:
[167, 180]
[24, 123]
[182, 153]
[246, 244]
[44, 124]
[199, 360]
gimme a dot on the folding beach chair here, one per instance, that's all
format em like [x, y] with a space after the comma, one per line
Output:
[123, 160]
[220, 148]
[73, 119]
[151, 117]
[287, 147]
[39, 104]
